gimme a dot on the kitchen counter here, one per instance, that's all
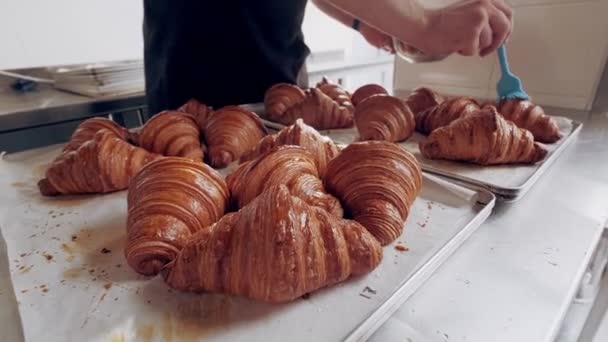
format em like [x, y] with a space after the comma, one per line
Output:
[47, 105]
[514, 279]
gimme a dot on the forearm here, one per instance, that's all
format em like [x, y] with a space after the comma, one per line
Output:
[334, 12]
[404, 19]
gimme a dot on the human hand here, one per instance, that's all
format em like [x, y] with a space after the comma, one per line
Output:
[376, 38]
[468, 27]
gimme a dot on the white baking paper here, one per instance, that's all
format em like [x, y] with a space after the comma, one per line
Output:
[72, 283]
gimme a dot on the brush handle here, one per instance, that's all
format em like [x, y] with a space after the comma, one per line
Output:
[502, 59]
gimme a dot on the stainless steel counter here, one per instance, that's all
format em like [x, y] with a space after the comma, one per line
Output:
[515, 278]
[47, 105]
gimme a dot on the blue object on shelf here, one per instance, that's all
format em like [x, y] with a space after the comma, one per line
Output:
[24, 86]
[509, 86]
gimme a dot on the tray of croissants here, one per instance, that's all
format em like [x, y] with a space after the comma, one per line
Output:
[502, 146]
[204, 225]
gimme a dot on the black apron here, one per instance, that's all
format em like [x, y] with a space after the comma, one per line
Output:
[220, 52]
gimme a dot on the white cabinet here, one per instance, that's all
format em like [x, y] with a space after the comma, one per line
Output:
[558, 49]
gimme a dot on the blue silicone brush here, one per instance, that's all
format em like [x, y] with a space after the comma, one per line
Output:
[509, 87]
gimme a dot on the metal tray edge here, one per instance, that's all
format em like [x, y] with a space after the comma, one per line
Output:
[423, 273]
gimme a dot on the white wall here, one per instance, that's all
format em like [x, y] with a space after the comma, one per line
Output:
[52, 32]
[558, 48]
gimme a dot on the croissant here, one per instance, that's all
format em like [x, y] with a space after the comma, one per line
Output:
[103, 164]
[231, 132]
[532, 117]
[87, 129]
[336, 93]
[276, 249]
[366, 91]
[423, 98]
[483, 138]
[172, 134]
[198, 110]
[293, 166]
[384, 117]
[169, 201]
[321, 147]
[286, 103]
[377, 183]
[444, 113]
[280, 97]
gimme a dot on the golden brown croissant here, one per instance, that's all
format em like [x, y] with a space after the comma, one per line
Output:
[281, 97]
[484, 138]
[321, 147]
[423, 98]
[172, 134]
[230, 132]
[377, 182]
[103, 164]
[286, 103]
[276, 249]
[336, 93]
[384, 117]
[366, 91]
[293, 166]
[198, 110]
[87, 129]
[169, 201]
[532, 117]
[444, 113]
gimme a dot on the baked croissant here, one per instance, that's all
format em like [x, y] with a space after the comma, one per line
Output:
[366, 91]
[422, 98]
[321, 147]
[172, 134]
[377, 183]
[103, 164]
[444, 113]
[230, 132]
[336, 93]
[286, 103]
[484, 138]
[293, 166]
[384, 117]
[198, 110]
[87, 129]
[169, 201]
[276, 249]
[532, 117]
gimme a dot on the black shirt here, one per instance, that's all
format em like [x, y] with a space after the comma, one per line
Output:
[220, 52]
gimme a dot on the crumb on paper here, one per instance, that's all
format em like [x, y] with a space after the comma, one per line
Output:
[22, 255]
[74, 237]
[48, 257]
[401, 248]
[105, 251]
[107, 286]
[24, 291]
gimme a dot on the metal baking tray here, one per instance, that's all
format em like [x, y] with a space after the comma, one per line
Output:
[508, 182]
[66, 254]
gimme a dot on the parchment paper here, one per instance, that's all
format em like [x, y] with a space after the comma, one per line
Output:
[72, 283]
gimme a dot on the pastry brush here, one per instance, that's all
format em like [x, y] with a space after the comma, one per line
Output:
[509, 86]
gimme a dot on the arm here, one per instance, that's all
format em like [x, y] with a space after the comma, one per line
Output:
[467, 27]
[373, 36]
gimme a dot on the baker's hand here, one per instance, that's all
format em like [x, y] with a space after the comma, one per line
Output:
[376, 38]
[469, 27]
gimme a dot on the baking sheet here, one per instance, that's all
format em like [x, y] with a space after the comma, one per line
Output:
[509, 182]
[72, 283]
